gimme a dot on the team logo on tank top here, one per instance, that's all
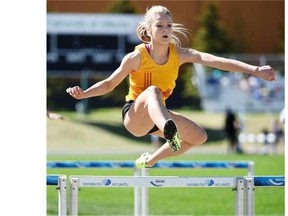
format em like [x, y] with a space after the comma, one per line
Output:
[147, 80]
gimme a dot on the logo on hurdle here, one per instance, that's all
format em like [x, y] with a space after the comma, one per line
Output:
[277, 181]
[209, 182]
[106, 182]
[158, 182]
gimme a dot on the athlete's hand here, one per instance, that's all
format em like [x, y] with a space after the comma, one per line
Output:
[76, 92]
[266, 72]
[54, 116]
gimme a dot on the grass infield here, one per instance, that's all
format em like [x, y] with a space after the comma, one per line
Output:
[100, 136]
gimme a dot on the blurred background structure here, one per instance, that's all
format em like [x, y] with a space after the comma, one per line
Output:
[86, 41]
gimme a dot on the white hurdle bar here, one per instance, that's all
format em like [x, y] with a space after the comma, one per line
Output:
[76, 182]
[259, 181]
[61, 182]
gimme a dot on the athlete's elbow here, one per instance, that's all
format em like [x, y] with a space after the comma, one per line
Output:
[109, 86]
[204, 137]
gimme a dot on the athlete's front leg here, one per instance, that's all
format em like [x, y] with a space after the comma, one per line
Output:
[147, 110]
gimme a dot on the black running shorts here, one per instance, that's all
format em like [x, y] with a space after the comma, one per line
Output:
[126, 108]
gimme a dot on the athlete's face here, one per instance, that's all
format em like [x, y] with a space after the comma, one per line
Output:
[161, 28]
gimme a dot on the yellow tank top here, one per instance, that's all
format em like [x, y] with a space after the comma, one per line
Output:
[150, 73]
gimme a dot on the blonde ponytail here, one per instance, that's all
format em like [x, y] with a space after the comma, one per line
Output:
[142, 33]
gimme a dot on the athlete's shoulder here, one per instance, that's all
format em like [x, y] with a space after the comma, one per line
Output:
[187, 54]
[132, 56]
[132, 60]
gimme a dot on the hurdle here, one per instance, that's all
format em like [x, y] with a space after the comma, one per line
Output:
[76, 182]
[258, 181]
[141, 194]
[61, 182]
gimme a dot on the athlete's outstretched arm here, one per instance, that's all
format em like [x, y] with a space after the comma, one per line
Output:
[105, 86]
[190, 55]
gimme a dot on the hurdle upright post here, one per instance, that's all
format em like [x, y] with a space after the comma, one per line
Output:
[144, 195]
[140, 195]
[251, 168]
[62, 195]
[249, 194]
[61, 182]
[239, 200]
[137, 195]
[74, 188]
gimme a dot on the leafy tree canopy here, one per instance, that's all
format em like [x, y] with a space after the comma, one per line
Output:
[212, 37]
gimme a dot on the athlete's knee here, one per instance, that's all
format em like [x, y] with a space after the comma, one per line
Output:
[203, 137]
[198, 138]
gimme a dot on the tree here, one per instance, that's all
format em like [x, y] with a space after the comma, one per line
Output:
[123, 6]
[212, 37]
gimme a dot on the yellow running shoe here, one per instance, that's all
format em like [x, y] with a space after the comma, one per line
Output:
[141, 161]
